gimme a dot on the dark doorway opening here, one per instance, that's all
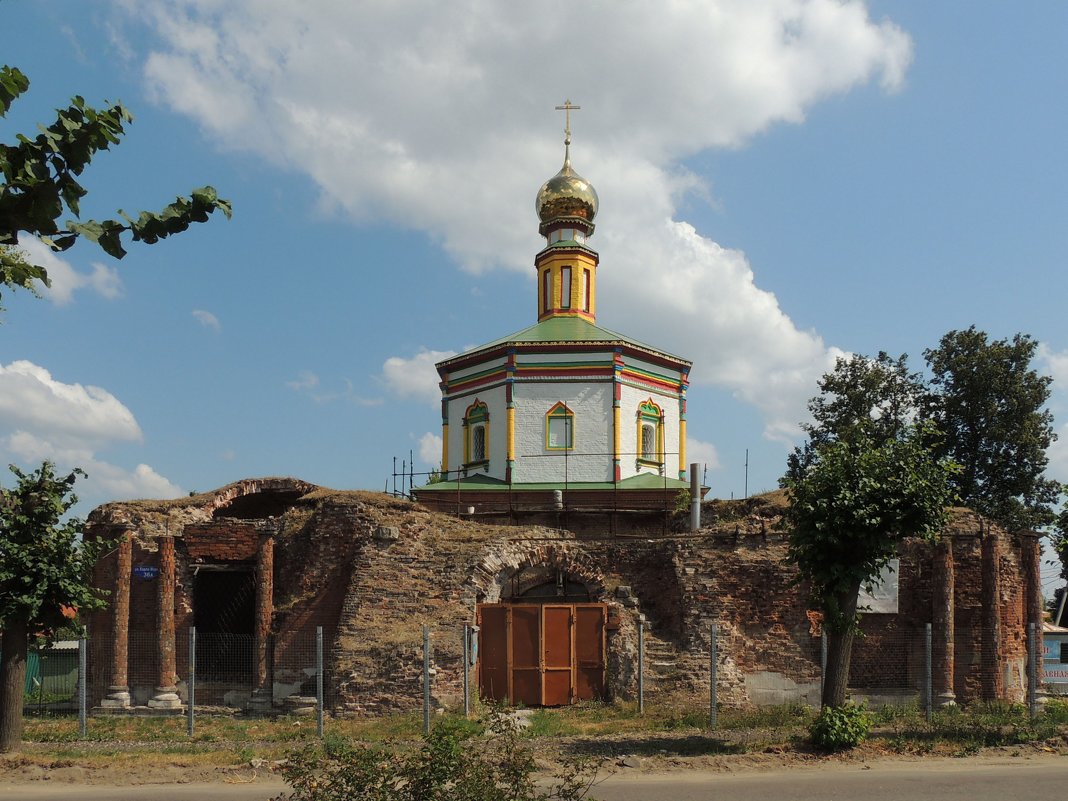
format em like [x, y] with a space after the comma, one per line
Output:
[224, 608]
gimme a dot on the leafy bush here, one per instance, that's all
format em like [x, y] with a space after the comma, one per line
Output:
[447, 766]
[1055, 710]
[840, 727]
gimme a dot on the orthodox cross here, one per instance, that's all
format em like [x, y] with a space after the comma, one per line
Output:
[567, 108]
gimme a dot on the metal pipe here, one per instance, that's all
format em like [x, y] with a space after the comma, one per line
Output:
[319, 680]
[641, 664]
[426, 680]
[928, 676]
[191, 684]
[713, 677]
[466, 659]
[83, 675]
[695, 498]
[823, 663]
[1032, 670]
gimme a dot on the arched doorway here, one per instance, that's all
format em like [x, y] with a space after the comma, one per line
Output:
[544, 643]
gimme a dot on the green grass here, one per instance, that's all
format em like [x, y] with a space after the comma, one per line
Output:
[678, 730]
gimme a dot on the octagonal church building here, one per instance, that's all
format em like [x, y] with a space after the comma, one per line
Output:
[563, 406]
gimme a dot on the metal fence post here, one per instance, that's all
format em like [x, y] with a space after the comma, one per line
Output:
[467, 655]
[823, 662]
[641, 665]
[83, 675]
[1032, 670]
[426, 679]
[928, 701]
[319, 680]
[191, 683]
[713, 658]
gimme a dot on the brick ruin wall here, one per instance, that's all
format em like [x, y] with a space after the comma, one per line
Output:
[372, 571]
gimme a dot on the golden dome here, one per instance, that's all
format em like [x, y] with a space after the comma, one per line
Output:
[566, 194]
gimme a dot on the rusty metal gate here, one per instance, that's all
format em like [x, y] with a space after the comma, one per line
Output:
[541, 654]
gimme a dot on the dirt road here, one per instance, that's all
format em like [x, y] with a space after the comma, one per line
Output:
[1037, 778]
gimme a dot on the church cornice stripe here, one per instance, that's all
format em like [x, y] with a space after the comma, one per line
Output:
[649, 384]
[644, 376]
[592, 346]
[479, 379]
[466, 392]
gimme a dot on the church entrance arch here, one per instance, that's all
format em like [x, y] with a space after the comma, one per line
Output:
[541, 654]
[542, 638]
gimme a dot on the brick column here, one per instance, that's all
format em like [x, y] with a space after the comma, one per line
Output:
[166, 696]
[262, 693]
[942, 619]
[993, 685]
[118, 696]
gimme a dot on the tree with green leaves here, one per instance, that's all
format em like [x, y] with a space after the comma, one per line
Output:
[45, 570]
[40, 185]
[880, 394]
[865, 480]
[849, 510]
[989, 403]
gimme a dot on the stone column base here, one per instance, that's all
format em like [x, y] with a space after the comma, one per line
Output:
[165, 698]
[262, 701]
[117, 698]
[300, 704]
[945, 699]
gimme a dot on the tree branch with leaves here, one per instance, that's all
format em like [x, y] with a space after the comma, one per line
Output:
[41, 185]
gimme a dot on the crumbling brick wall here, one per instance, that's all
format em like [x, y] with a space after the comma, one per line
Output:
[373, 570]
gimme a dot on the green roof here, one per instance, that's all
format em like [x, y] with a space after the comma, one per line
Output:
[564, 329]
[642, 481]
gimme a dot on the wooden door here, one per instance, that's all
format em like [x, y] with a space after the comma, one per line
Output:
[541, 654]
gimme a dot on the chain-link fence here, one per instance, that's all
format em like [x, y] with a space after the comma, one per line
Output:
[218, 673]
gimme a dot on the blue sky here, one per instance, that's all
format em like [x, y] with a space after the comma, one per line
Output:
[780, 183]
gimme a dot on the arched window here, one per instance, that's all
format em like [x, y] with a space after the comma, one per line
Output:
[559, 428]
[650, 434]
[476, 435]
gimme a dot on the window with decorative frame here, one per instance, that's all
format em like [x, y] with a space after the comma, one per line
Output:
[476, 435]
[650, 434]
[559, 428]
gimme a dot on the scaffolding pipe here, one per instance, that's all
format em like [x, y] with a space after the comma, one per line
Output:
[695, 497]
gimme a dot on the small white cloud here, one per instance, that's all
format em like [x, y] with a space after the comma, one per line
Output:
[306, 380]
[704, 453]
[227, 455]
[430, 449]
[415, 377]
[207, 319]
[1055, 365]
[103, 280]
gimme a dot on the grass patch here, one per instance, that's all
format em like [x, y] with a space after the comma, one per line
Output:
[601, 728]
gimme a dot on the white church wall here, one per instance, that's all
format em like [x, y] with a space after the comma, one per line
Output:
[630, 398]
[498, 430]
[590, 459]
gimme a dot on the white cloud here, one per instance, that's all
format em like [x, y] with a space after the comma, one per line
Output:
[207, 319]
[390, 108]
[415, 377]
[306, 380]
[72, 414]
[103, 280]
[1055, 365]
[430, 449]
[704, 453]
[42, 418]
